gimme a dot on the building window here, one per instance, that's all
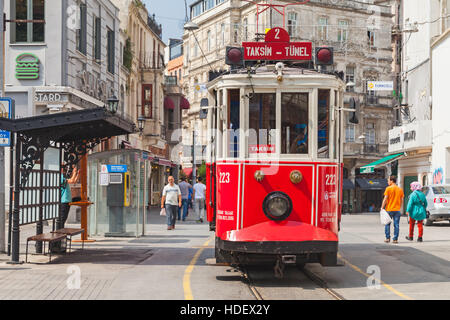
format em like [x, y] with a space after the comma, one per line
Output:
[222, 33]
[350, 77]
[110, 47]
[147, 100]
[236, 33]
[342, 31]
[197, 9]
[245, 29]
[292, 24]
[209, 4]
[209, 40]
[349, 130]
[323, 28]
[370, 136]
[371, 38]
[82, 31]
[97, 38]
[28, 10]
[195, 49]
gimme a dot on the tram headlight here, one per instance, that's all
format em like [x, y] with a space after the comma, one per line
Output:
[277, 205]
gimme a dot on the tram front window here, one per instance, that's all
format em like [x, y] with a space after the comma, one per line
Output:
[262, 123]
[294, 123]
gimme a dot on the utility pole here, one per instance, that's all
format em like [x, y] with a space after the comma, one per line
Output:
[2, 149]
[194, 168]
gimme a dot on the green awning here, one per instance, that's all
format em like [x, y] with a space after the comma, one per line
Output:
[369, 168]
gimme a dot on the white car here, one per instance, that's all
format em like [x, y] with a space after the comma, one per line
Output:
[438, 198]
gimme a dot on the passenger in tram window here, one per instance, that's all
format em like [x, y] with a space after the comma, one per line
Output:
[300, 143]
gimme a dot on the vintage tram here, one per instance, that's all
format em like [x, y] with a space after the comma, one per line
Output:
[274, 168]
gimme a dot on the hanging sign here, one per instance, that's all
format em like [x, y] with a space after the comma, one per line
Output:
[5, 112]
[277, 46]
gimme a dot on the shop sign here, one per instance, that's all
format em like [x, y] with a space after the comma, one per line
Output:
[51, 97]
[380, 85]
[114, 168]
[277, 46]
[27, 67]
[5, 112]
[411, 136]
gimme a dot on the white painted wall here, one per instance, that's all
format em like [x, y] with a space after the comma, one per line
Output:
[441, 108]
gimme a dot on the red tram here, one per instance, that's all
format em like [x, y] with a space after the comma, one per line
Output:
[274, 169]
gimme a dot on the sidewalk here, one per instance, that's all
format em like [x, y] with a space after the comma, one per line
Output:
[91, 273]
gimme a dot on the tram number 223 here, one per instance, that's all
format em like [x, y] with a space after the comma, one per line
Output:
[330, 179]
[224, 177]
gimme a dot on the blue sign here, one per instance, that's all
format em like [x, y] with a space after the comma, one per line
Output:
[113, 168]
[5, 112]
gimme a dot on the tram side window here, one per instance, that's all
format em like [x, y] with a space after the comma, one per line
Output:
[323, 133]
[294, 123]
[234, 124]
[262, 123]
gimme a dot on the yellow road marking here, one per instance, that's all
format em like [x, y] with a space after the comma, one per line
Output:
[390, 288]
[187, 274]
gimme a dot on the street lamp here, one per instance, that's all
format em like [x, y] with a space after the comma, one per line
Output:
[191, 26]
[113, 104]
[141, 124]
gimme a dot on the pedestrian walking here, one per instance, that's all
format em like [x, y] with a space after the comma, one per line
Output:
[185, 188]
[199, 199]
[392, 203]
[416, 210]
[171, 200]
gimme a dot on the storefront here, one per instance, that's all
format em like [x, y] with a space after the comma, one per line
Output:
[413, 142]
[371, 193]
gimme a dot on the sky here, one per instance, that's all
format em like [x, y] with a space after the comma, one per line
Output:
[170, 14]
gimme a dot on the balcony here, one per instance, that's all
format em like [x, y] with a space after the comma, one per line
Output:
[371, 148]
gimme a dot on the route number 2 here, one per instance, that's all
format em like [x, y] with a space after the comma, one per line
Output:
[330, 179]
[224, 177]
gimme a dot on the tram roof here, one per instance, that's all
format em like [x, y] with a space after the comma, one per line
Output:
[270, 70]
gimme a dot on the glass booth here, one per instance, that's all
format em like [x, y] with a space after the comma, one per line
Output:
[118, 188]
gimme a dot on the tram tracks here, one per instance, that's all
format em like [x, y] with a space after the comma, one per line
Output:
[308, 274]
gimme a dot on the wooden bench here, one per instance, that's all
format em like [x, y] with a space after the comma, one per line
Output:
[46, 237]
[69, 233]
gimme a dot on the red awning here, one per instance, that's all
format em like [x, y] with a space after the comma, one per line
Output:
[187, 171]
[184, 103]
[168, 103]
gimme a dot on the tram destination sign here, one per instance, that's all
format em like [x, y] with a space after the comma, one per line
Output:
[277, 46]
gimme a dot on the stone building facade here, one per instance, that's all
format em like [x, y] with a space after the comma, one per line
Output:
[361, 36]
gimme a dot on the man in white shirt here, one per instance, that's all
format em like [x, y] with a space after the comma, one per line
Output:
[171, 200]
[199, 199]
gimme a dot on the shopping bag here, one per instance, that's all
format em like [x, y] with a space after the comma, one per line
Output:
[162, 212]
[385, 218]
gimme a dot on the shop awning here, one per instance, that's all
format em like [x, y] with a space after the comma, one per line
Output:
[188, 171]
[371, 184]
[371, 166]
[184, 103]
[169, 104]
[348, 184]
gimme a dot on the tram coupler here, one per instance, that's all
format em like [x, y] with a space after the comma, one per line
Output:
[289, 259]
